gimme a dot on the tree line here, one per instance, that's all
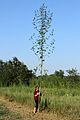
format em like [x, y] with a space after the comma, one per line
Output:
[14, 72]
[59, 79]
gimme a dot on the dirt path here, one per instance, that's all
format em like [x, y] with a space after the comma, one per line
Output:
[26, 112]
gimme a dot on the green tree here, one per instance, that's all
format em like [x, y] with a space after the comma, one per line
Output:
[21, 72]
[72, 72]
[73, 75]
[43, 42]
[59, 73]
[1, 71]
[14, 72]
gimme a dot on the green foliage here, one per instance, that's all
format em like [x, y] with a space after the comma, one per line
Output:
[63, 101]
[73, 76]
[43, 44]
[51, 81]
[43, 104]
[72, 72]
[14, 72]
[20, 93]
[59, 73]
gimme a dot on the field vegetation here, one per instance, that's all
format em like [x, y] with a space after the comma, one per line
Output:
[60, 94]
[5, 114]
[63, 101]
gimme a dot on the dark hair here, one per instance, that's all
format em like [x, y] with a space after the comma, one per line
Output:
[36, 87]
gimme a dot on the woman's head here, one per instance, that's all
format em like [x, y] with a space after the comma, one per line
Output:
[36, 88]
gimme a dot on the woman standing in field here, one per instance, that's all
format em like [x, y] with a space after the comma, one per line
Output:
[36, 99]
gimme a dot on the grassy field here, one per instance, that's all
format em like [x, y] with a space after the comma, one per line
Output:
[5, 114]
[63, 101]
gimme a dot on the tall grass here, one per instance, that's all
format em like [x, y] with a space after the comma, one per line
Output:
[63, 101]
[19, 93]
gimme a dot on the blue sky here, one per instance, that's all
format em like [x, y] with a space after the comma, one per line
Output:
[16, 28]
